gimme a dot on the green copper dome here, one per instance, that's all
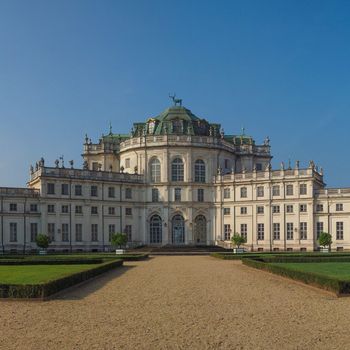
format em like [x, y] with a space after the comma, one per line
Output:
[176, 120]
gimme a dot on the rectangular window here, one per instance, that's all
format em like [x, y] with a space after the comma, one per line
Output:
[111, 210]
[127, 163]
[177, 194]
[78, 209]
[111, 192]
[303, 208]
[276, 190]
[259, 167]
[260, 191]
[276, 231]
[319, 229]
[227, 192]
[244, 231]
[200, 195]
[78, 232]
[243, 210]
[227, 232]
[261, 232]
[289, 208]
[260, 209]
[33, 231]
[128, 211]
[227, 211]
[93, 191]
[128, 193]
[244, 193]
[94, 210]
[289, 190]
[34, 207]
[319, 207]
[275, 209]
[290, 228]
[303, 189]
[111, 231]
[13, 231]
[50, 188]
[51, 208]
[13, 207]
[95, 166]
[339, 230]
[128, 232]
[64, 189]
[155, 195]
[227, 164]
[303, 230]
[65, 209]
[65, 229]
[339, 207]
[51, 231]
[78, 190]
[94, 232]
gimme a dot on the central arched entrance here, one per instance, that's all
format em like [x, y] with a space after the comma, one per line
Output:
[178, 229]
[200, 230]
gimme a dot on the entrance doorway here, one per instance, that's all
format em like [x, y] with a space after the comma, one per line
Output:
[200, 230]
[178, 229]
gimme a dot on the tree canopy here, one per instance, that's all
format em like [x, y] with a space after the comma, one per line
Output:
[325, 239]
[238, 240]
[119, 239]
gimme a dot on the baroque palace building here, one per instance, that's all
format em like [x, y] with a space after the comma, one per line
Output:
[175, 179]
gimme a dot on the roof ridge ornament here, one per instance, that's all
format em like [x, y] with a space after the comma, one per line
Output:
[177, 101]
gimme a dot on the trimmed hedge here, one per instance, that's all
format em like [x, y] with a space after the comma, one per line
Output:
[44, 290]
[51, 261]
[231, 256]
[325, 282]
[131, 257]
[305, 259]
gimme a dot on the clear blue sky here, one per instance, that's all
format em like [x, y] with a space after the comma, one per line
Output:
[279, 68]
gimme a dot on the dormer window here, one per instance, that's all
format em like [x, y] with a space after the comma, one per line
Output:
[177, 126]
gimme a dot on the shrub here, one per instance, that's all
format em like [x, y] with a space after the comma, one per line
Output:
[42, 241]
[238, 240]
[325, 239]
[119, 239]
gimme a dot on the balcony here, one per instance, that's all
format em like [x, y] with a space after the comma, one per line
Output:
[82, 174]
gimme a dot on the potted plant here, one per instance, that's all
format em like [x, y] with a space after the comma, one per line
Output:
[325, 241]
[42, 241]
[119, 240]
[237, 240]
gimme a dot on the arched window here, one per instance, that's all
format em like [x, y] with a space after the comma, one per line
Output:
[178, 229]
[200, 230]
[243, 192]
[199, 171]
[155, 170]
[177, 170]
[155, 229]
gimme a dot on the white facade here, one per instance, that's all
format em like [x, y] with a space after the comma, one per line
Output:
[175, 179]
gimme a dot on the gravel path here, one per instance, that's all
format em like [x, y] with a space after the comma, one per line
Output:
[193, 302]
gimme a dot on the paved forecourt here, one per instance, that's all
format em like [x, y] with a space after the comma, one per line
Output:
[180, 302]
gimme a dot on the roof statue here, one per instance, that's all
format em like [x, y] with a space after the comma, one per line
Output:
[177, 101]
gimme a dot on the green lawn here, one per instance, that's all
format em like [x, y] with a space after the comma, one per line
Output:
[35, 274]
[339, 270]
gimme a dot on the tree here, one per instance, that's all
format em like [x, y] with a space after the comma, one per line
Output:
[237, 240]
[325, 239]
[42, 241]
[119, 239]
